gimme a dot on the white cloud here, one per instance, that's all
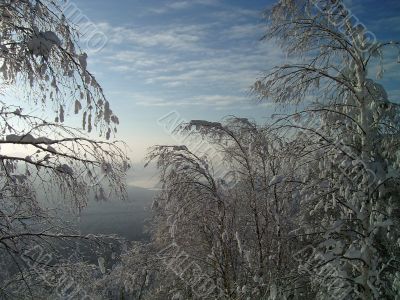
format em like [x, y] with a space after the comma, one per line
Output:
[213, 66]
[217, 59]
[173, 37]
[235, 14]
[216, 101]
[182, 4]
[244, 31]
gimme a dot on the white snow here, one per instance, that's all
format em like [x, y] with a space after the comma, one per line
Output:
[27, 139]
[42, 43]
[202, 123]
[277, 179]
[101, 261]
[180, 148]
[239, 243]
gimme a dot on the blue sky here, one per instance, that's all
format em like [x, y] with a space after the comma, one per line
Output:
[195, 57]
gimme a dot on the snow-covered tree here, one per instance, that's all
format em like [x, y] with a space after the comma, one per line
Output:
[138, 274]
[238, 234]
[350, 133]
[42, 158]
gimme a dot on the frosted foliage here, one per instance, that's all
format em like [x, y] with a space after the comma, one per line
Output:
[349, 133]
[39, 53]
[233, 231]
[53, 169]
[42, 43]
